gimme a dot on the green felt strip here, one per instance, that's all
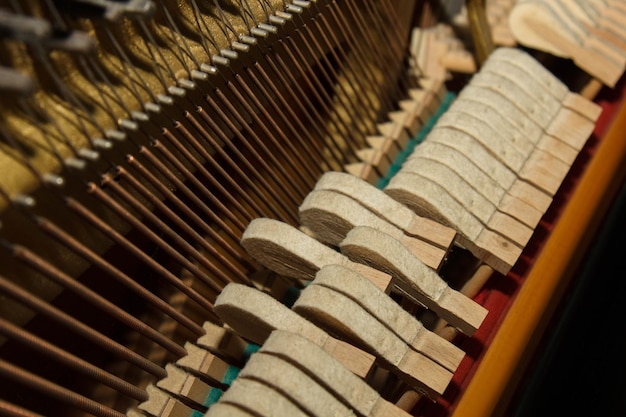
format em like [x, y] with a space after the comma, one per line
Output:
[230, 375]
[250, 349]
[213, 397]
[291, 296]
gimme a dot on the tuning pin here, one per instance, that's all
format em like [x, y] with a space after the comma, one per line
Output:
[209, 69]
[260, 33]
[25, 28]
[24, 201]
[165, 99]
[199, 75]
[220, 60]
[100, 143]
[302, 3]
[268, 28]
[247, 39]
[277, 20]
[75, 163]
[186, 84]
[110, 10]
[53, 179]
[116, 135]
[240, 47]
[229, 53]
[284, 15]
[14, 82]
[292, 8]
[74, 41]
[128, 124]
[88, 154]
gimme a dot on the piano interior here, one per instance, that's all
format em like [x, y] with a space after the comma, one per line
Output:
[285, 207]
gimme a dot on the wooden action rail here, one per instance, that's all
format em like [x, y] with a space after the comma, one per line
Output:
[249, 397]
[353, 391]
[202, 379]
[411, 277]
[391, 314]
[287, 251]
[340, 315]
[463, 45]
[330, 216]
[296, 384]
[459, 195]
[292, 253]
[454, 48]
[387, 208]
[439, 52]
[491, 386]
[254, 315]
[592, 34]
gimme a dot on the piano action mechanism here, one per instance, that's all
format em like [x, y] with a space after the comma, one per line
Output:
[270, 208]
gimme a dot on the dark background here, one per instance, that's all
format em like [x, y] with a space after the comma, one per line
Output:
[581, 366]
